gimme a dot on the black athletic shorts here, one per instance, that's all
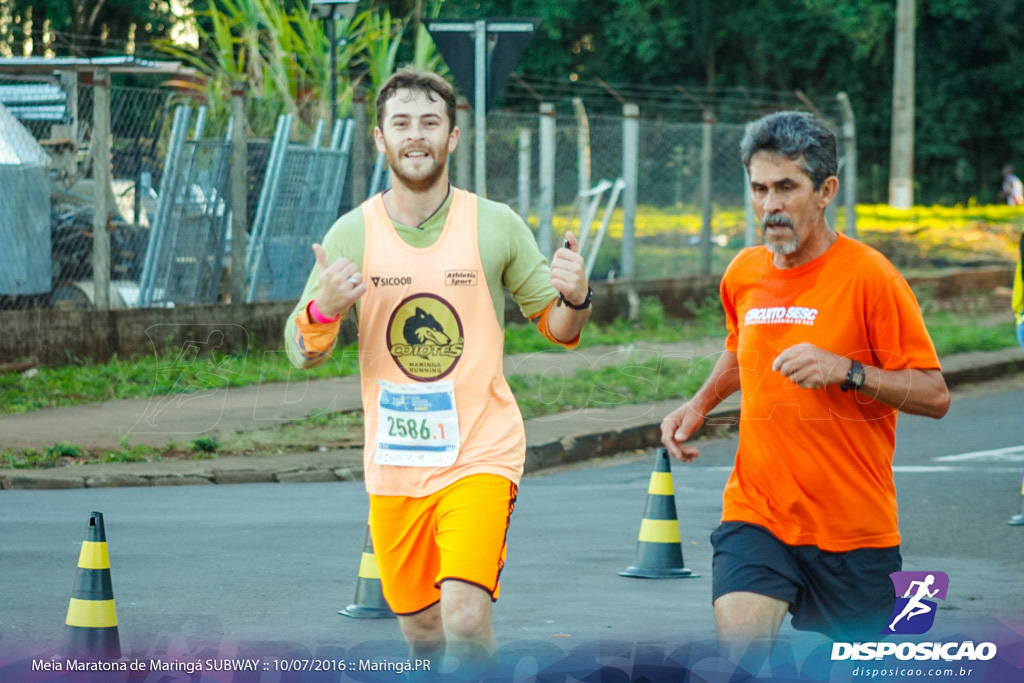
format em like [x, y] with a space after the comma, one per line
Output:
[845, 595]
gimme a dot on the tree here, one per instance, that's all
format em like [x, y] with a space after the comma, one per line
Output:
[967, 100]
[83, 27]
[281, 55]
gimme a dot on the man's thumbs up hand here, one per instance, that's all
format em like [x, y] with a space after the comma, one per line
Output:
[340, 285]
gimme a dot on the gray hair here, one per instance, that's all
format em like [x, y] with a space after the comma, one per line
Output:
[799, 136]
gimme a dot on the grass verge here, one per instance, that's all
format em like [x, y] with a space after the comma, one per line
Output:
[652, 379]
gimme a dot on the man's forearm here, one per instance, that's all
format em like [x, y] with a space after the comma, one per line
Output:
[565, 324]
[916, 392]
[722, 382]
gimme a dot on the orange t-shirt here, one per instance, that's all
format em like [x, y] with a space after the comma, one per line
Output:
[815, 466]
[429, 319]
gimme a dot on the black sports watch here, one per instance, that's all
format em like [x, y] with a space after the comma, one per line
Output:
[586, 302]
[854, 378]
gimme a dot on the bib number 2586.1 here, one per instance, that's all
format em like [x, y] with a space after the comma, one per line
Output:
[417, 425]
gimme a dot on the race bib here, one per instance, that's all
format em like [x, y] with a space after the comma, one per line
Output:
[417, 424]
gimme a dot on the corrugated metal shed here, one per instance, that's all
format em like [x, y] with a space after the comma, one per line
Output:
[17, 145]
[35, 101]
[116, 64]
[25, 260]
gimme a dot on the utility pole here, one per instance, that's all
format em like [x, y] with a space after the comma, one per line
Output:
[901, 168]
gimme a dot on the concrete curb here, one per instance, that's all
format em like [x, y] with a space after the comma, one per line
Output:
[316, 466]
[581, 447]
[566, 451]
[329, 466]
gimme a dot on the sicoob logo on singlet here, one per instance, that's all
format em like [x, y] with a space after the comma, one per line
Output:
[425, 337]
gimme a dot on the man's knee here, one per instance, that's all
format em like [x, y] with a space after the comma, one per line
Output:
[465, 618]
[423, 631]
[466, 611]
[746, 616]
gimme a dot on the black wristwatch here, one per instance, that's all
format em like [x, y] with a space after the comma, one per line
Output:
[586, 302]
[854, 378]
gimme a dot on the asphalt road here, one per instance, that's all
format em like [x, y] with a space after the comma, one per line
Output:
[225, 571]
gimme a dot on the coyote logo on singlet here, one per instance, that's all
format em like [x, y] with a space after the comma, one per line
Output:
[421, 328]
[425, 337]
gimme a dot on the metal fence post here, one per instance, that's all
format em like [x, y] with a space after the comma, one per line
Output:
[101, 173]
[582, 146]
[705, 193]
[239, 192]
[630, 175]
[525, 166]
[359, 145]
[849, 182]
[901, 161]
[480, 108]
[341, 141]
[464, 152]
[546, 209]
[750, 219]
[69, 83]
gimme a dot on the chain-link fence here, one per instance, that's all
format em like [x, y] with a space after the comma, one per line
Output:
[670, 159]
[672, 188]
[170, 227]
[301, 197]
[184, 255]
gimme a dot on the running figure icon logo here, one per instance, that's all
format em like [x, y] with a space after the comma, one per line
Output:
[915, 610]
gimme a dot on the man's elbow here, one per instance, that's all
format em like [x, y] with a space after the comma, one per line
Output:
[940, 401]
[941, 406]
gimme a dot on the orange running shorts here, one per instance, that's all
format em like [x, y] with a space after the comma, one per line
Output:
[457, 533]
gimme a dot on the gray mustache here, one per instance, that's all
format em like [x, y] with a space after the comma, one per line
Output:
[775, 220]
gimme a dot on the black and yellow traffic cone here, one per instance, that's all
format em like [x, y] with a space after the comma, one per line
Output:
[1018, 519]
[369, 601]
[91, 624]
[659, 552]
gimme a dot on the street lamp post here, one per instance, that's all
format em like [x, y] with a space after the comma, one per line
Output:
[330, 11]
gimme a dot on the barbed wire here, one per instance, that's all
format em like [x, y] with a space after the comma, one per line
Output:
[725, 104]
[524, 91]
[94, 46]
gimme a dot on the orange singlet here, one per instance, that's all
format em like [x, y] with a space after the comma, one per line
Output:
[437, 410]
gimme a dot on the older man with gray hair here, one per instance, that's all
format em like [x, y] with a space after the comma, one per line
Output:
[827, 343]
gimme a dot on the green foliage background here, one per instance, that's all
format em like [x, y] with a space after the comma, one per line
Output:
[967, 122]
[969, 60]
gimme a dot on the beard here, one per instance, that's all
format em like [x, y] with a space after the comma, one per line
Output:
[779, 248]
[421, 179]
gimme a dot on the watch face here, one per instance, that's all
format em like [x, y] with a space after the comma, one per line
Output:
[857, 375]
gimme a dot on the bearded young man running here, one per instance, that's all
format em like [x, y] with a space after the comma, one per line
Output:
[424, 267]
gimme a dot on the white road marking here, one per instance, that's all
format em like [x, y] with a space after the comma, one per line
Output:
[924, 468]
[1008, 454]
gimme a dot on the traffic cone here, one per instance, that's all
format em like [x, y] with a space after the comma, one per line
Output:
[659, 552]
[369, 601]
[1018, 519]
[91, 623]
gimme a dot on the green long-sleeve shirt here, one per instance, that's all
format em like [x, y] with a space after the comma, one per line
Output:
[508, 252]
